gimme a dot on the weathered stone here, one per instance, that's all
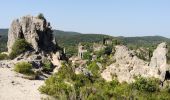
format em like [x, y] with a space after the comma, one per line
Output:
[37, 32]
[159, 60]
[34, 30]
[127, 65]
[159, 56]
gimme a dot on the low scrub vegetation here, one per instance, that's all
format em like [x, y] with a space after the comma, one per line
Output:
[47, 66]
[24, 68]
[66, 85]
[3, 56]
[146, 85]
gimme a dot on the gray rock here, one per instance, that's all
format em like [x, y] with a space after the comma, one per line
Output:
[128, 65]
[34, 30]
[159, 55]
[37, 32]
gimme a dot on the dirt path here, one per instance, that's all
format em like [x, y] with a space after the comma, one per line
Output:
[13, 87]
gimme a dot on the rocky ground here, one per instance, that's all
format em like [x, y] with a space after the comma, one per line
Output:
[13, 87]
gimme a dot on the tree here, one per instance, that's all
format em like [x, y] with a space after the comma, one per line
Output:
[41, 16]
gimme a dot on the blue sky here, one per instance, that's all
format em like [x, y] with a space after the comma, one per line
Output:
[113, 17]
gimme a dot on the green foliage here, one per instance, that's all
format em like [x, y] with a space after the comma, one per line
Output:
[3, 56]
[117, 42]
[168, 55]
[54, 86]
[41, 16]
[70, 40]
[145, 41]
[148, 85]
[108, 50]
[94, 68]
[99, 53]
[80, 80]
[66, 72]
[87, 56]
[19, 47]
[24, 68]
[81, 87]
[3, 39]
[47, 66]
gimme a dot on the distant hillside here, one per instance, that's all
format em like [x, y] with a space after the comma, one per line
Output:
[3, 39]
[70, 40]
[64, 33]
[3, 32]
[144, 41]
[75, 37]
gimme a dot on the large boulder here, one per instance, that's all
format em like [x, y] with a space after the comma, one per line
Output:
[159, 60]
[36, 31]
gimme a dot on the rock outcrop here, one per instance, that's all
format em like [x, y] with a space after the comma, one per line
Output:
[127, 65]
[36, 31]
[159, 60]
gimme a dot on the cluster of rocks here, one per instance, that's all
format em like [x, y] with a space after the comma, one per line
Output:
[127, 65]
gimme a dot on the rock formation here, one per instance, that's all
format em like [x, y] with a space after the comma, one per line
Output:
[159, 60]
[36, 31]
[127, 65]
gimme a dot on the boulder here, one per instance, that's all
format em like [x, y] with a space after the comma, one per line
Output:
[159, 60]
[159, 56]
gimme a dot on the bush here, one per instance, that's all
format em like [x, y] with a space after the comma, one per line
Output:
[19, 47]
[47, 66]
[148, 85]
[108, 50]
[24, 68]
[87, 56]
[3, 56]
[81, 80]
[66, 72]
[54, 86]
[94, 68]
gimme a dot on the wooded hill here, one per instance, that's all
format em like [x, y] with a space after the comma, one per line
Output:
[70, 40]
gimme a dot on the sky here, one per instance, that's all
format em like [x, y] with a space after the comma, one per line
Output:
[112, 17]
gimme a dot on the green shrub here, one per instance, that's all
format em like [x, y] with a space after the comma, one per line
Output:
[87, 56]
[54, 86]
[94, 68]
[19, 47]
[99, 53]
[47, 66]
[148, 85]
[81, 80]
[3, 56]
[108, 50]
[66, 72]
[24, 68]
